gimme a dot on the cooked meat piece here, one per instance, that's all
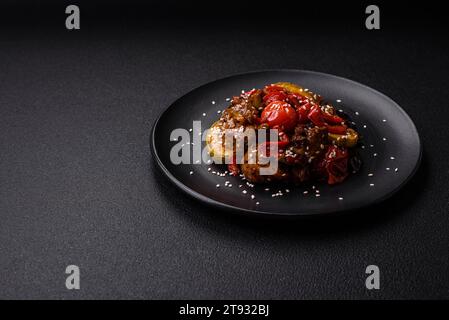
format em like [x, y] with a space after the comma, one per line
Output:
[243, 111]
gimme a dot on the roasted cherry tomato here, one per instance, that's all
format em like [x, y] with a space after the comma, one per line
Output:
[280, 114]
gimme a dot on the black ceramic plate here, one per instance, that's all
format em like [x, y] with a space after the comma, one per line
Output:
[391, 151]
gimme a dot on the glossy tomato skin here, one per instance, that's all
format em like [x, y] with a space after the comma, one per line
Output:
[280, 114]
[274, 96]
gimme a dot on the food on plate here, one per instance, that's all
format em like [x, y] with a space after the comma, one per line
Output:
[315, 141]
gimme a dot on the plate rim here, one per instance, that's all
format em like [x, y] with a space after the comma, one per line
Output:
[235, 209]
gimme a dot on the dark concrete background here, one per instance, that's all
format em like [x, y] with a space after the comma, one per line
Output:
[78, 184]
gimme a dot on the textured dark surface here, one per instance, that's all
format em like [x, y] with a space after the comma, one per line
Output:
[78, 185]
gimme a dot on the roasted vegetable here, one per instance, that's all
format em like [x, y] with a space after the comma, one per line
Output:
[348, 140]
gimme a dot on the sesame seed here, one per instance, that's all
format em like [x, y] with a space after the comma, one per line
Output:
[209, 169]
[370, 174]
[313, 187]
[392, 158]
[356, 113]
[338, 100]
[371, 184]
[257, 203]
[204, 114]
[306, 192]
[384, 120]
[388, 169]
[287, 190]
[317, 191]
[374, 154]
[340, 198]
[253, 196]
[230, 185]
[317, 195]
[219, 111]
[190, 129]
[213, 102]
[191, 172]
[244, 192]
[364, 126]
[384, 139]
[218, 186]
[228, 99]
[396, 169]
[267, 189]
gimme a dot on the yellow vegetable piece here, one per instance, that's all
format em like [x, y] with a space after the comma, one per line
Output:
[348, 140]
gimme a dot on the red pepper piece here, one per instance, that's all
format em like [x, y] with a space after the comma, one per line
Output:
[330, 118]
[336, 164]
[315, 115]
[303, 113]
[337, 129]
[274, 96]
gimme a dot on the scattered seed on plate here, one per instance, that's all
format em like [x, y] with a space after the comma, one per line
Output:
[244, 192]
[191, 172]
[213, 102]
[190, 129]
[374, 154]
[392, 158]
[267, 189]
[240, 185]
[228, 99]
[364, 126]
[230, 185]
[287, 190]
[371, 184]
[340, 198]
[257, 203]
[370, 174]
[204, 114]
[253, 196]
[396, 169]
[313, 187]
[218, 186]
[371, 145]
[219, 111]
[384, 139]
[317, 195]
[388, 169]
[384, 120]
[357, 113]
[338, 100]
[209, 169]
[306, 192]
